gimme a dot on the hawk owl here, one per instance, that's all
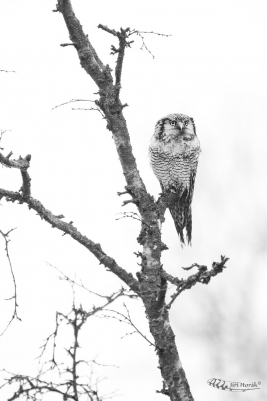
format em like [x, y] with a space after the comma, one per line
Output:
[174, 150]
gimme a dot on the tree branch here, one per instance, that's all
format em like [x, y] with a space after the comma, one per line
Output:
[56, 220]
[21, 163]
[68, 228]
[87, 54]
[203, 276]
[122, 35]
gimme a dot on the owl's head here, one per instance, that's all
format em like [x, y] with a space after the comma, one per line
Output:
[173, 125]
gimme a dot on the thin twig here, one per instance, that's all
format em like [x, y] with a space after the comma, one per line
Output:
[155, 33]
[91, 109]
[15, 297]
[131, 215]
[2, 133]
[122, 291]
[127, 320]
[72, 101]
[144, 46]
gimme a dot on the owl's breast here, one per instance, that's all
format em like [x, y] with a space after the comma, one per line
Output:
[178, 145]
[174, 161]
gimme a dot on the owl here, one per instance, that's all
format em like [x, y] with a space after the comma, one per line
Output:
[174, 151]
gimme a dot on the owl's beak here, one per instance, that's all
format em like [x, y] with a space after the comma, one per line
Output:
[180, 125]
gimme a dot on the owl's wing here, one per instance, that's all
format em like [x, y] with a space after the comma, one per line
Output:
[181, 210]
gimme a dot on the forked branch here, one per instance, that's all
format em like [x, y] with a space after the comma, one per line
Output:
[122, 36]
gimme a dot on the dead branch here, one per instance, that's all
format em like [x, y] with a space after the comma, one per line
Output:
[15, 296]
[67, 228]
[122, 36]
[21, 163]
[70, 385]
[203, 276]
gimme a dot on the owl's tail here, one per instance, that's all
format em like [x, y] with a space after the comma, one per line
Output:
[182, 216]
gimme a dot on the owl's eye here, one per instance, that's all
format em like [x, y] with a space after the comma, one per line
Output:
[186, 123]
[172, 123]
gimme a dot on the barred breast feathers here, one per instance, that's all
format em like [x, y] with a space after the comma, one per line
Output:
[173, 168]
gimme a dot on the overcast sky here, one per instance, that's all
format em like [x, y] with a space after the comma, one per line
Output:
[213, 68]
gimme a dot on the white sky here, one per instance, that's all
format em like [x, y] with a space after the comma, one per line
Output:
[212, 68]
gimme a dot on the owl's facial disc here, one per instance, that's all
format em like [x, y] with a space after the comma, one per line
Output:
[174, 126]
[178, 124]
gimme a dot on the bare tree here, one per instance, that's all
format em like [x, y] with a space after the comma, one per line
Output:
[152, 280]
[66, 379]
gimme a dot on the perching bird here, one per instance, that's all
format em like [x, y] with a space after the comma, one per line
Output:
[174, 150]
